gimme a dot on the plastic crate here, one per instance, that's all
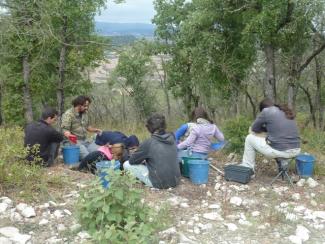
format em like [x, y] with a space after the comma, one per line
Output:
[238, 173]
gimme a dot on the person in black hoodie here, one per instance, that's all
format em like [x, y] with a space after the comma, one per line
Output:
[155, 162]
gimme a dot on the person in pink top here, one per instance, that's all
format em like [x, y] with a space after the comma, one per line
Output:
[113, 149]
[202, 135]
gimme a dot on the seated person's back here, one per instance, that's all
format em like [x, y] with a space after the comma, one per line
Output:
[159, 154]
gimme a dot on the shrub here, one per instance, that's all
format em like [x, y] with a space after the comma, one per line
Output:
[117, 214]
[235, 131]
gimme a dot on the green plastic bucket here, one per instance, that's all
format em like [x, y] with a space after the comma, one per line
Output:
[185, 171]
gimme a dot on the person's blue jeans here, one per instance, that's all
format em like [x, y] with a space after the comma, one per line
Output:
[140, 171]
[186, 153]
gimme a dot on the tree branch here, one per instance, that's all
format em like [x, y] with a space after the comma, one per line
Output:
[311, 57]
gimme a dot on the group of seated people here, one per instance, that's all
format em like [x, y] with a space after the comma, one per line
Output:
[156, 160]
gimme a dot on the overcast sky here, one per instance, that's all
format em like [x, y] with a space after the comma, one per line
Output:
[132, 11]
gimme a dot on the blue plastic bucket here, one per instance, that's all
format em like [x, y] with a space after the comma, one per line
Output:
[199, 171]
[305, 165]
[102, 168]
[71, 154]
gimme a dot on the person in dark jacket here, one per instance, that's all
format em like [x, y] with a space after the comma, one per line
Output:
[155, 162]
[43, 134]
[282, 136]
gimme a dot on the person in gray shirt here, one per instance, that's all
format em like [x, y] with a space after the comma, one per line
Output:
[282, 140]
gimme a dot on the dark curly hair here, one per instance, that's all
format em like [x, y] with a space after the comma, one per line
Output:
[267, 102]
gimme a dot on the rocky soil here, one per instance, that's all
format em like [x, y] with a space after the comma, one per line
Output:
[218, 212]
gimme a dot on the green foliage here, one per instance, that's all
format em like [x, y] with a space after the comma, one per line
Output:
[134, 71]
[117, 214]
[16, 174]
[235, 131]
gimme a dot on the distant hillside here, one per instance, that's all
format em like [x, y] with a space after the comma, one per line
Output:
[122, 29]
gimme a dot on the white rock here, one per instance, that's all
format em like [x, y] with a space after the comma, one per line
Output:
[256, 213]
[53, 240]
[21, 206]
[4, 240]
[54, 204]
[190, 223]
[313, 203]
[279, 190]
[217, 186]
[3, 207]
[196, 230]
[169, 231]
[75, 227]
[209, 194]
[291, 217]
[184, 205]
[244, 222]
[214, 206]
[205, 226]
[9, 231]
[311, 182]
[6, 200]
[67, 212]
[196, 218]
[20, 238]
[295, 239]
[231, 226]
[44, 206]
[83, 235]
[242, 216]
[43, 222]
[319, 214]
[312, 194]
[262, 189]
[28, 212]
[284, 204]
[15, 217]
[318, 226]
[261, 227]
[218, 178]
[302, 232]
[301, 182]
[299, 209]
[174, 201]
[213, 216]
[58, 214]
[184, 239]
[203, 186]
[61, 227]
[236, 201]
[296, 196]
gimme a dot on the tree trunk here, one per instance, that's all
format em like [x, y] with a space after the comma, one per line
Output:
[294, 75]
[318, 96]
[62, 61]
[26, 91]
[1, 92]
[270, 82]
[163, 79]
[251, 103]
[311, 105]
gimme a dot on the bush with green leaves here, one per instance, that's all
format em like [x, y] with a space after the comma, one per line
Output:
[117, 214]
[235, 131]
[16, 173]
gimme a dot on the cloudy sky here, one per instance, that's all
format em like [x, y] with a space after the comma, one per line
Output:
[131, 11]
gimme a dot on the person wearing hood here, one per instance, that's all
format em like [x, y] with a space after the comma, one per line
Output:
[201, 135]
[155, 162]
[112, 145]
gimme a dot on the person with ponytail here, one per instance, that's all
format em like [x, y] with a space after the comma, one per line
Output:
[282, 137]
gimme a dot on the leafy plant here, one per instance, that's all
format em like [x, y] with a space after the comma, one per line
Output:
[117, 214]
[235, 131]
